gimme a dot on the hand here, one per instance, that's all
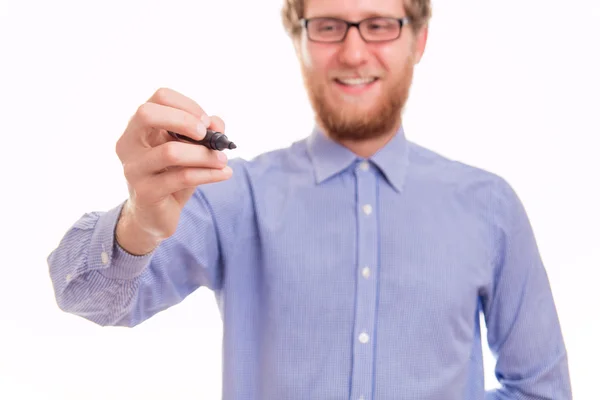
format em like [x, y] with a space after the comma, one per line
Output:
[161, 172]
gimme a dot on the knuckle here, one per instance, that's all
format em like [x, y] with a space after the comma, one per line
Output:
[162, 94]
[188, 176]
[215, 175]
[131, 171]
[189, 123]
[144, 112]
[170, 153]
[128, 171]
[119, 148]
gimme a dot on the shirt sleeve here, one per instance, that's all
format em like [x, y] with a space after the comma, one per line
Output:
[524, 332]
[93, 277]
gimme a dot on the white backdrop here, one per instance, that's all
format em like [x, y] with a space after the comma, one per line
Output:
[508, 86]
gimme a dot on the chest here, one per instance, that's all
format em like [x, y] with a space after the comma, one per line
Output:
[426, 251]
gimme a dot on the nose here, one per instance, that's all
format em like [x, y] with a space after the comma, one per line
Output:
[354, 49]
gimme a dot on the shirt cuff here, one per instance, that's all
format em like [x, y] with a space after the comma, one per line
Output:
[116, 262]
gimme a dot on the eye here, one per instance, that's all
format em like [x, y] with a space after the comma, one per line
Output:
[327, 25]
[380, 24]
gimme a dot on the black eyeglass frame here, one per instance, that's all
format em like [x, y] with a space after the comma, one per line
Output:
[349, 24]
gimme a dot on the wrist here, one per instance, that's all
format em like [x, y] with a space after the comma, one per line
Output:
[131, 237]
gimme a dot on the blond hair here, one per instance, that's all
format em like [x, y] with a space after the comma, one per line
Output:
[419, 11]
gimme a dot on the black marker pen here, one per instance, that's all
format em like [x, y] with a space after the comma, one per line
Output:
[213, 140]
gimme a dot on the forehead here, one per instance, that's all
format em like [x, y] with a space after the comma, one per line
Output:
[353, 9]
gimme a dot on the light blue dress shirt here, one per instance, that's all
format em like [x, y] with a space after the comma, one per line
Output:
[342, 278]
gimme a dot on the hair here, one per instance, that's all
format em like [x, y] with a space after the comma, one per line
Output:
[419, 12]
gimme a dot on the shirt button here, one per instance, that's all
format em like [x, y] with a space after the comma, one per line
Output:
[69, 277]
[361, 398]
[364, 165]
[363, 337]
[104, 257]
[367, 209]
[366, 272]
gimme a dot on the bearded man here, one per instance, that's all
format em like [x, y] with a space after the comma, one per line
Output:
[353, 264]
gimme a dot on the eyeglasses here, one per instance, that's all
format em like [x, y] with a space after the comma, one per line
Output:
[333, 30]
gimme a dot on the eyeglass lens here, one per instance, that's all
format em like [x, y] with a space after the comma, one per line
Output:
[373, 29]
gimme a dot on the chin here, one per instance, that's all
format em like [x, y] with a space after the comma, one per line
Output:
[352, 109]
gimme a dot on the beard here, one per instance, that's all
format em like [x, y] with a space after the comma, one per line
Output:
[345, 121]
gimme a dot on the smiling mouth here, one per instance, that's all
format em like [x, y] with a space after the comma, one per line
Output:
[353, 82]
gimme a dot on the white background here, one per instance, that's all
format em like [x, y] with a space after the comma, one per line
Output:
[508, 86]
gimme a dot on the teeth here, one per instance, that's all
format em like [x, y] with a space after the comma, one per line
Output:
[356, 81]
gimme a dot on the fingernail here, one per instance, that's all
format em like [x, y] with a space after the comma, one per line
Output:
[205, 120]
[222, 156]
[201, 129]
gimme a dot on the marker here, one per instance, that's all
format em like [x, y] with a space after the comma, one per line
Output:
[213, 140]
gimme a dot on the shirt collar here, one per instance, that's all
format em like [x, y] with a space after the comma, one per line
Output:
[329, 157]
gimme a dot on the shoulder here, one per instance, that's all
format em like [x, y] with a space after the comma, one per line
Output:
[477, 189]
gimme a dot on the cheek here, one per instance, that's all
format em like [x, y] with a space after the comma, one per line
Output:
[392, 58]
[317, 59]
[388, 60]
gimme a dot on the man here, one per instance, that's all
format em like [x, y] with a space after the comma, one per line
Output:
[353, 264]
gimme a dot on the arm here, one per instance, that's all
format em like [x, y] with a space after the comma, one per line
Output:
[93, 277]
[524, 332]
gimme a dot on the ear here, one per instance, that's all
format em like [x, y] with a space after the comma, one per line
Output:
[296, 42]
[299, 48]
[420, 43]
[299, 43]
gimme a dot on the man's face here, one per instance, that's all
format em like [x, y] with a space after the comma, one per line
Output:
[345, 109]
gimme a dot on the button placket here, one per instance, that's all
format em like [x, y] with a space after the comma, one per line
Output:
[362, 375]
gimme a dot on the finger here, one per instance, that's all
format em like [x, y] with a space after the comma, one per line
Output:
[171, 98]
[217, 124]
[174, 154]
[153, 115]
[172, 181]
